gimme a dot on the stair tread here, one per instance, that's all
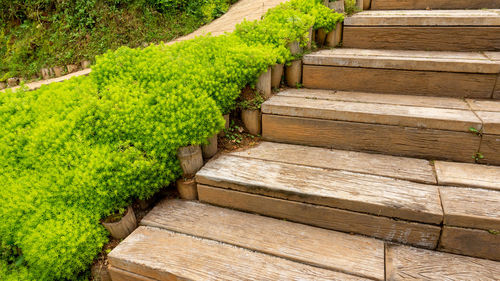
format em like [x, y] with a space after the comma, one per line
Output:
[425, 18]
[471, 207]
[429, 101]
[469, 175]
[411, 169]
[321, 106]
[166, 255]
[333, 188]
[433, 4]
[407, 263]
[491, 121]
[469, 62]
[327, 249]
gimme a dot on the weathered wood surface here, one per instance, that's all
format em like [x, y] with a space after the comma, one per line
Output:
[425, 18]
[471, 207]
[165, 255]
[430, 38]
[411, 169]
[406, 60]
[333, 188]
[401, 82]
[407, 263]
[471, 242]
[433, 4]
[490, 149]
[122, 275]
[491, 121]
[484, 105]
[393, 140]
[468, 175]
[375, 113]
[420, 101]
[400, 231]
[337, 251]
[496, 91]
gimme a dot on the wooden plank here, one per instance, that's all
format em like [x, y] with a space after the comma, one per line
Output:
[471, 242]
[333, 188]
[467, 62]
[417, 234]
[469, 175]
[401, 82]
[165, 255]
[433, 4]
[484, 105]
[393, 140]
[496, 90]
[355, 255]
[420, 101]
[490, 149]
[471, 207]
[434, 18]
[407, 263]
[411, 169]
[122, 275]
[423, 38]
[375, 113]
[491, 121]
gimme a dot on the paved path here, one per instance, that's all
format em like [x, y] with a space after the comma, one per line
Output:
[244, 9]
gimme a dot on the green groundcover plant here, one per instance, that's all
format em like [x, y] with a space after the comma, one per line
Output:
[72, 153]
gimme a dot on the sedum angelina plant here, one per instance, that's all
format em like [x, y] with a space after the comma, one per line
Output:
[71, 153]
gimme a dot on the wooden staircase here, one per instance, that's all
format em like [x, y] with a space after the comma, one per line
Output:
[386, 166]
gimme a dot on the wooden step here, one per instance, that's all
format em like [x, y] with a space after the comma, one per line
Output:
[489, 113]
[425, 127]
[355, 255]
[471, 222]
[406, 263]
[329, 198]
[160, 254]
[468, 175]
[432, 30]
[422, 73]
[433, 4]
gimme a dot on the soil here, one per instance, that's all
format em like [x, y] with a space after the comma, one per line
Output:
[237, 138]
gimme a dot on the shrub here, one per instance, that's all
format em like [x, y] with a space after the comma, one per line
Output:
[71, 153]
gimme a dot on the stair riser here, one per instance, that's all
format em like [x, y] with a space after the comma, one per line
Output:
[401, 82]
[417, 234]
[423, 38]
[392, 140]
[470, 242]
[433, 4]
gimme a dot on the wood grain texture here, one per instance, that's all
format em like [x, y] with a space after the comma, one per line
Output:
[165, 255]
[122, 275]
[433, 4]
[466, 62]
[333, 188]
[484, 105]
[471, 207]
[417, 101]
[491, 121]
[496, 90]
[417, 234]
[337, 251]
[377, 113]
[471, 242]
[469, 175]
[490, 149]
[407, 263]
[411, 169]
[429, 18]
[423, 38]
[393, 140]
[401, 82]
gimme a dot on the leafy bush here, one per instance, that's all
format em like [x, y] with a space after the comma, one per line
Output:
[71, 153]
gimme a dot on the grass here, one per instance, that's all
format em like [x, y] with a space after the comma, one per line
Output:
[28, 45]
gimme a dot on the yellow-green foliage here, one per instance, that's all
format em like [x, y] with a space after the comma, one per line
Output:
[73, 152]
